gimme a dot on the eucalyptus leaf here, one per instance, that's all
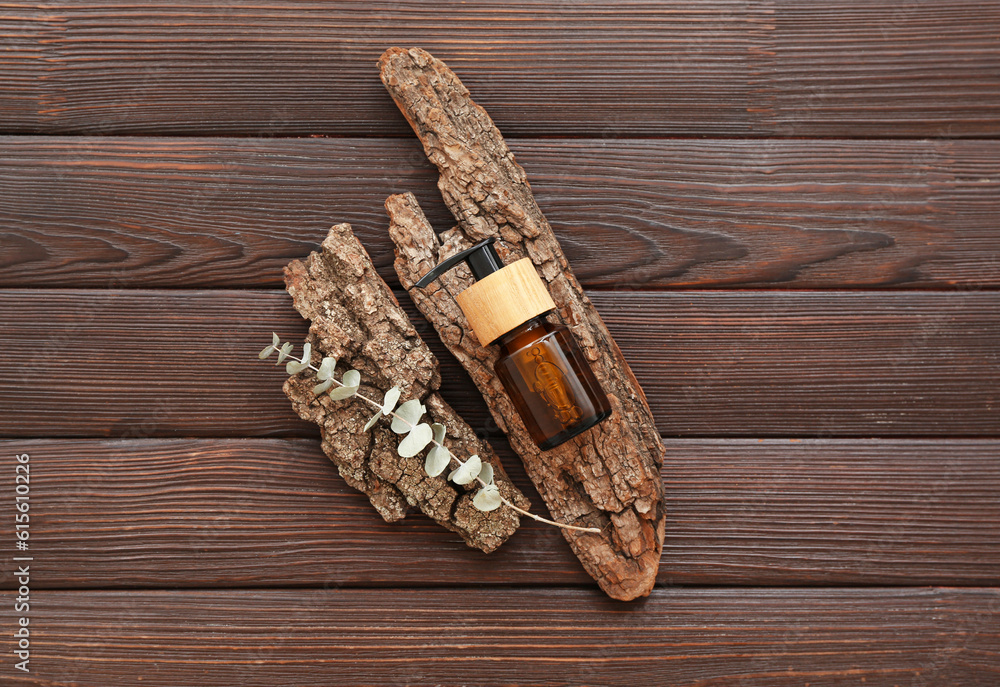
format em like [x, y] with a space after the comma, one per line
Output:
[267, 352]
[415, 442]
[407, 416]
[350, 383]
[275, 339]
[371, 422]
[326, 369]
[487, 499]
[322, 386]
[389, 400]
[486, 474]
[439, 431]
[341, 392]
[283, 352]
[466, 472]
[307, 349]
[351, 378]
[438, 459]
[294, 367]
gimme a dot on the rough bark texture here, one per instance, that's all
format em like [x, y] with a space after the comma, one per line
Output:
[609, 476]
[356, 319]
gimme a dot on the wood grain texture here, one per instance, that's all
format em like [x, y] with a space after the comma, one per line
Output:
[797, 364]
[274, 513]
[635, 214]
[785, 67]
[773, 637]
[606, 107]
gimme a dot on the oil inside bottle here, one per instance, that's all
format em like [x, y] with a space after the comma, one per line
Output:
[555, 391]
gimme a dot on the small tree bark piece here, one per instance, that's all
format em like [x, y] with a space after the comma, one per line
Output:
[357, 320]
[607, 477]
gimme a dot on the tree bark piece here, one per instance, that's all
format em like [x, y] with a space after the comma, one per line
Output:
[607, 477]
[357, 320]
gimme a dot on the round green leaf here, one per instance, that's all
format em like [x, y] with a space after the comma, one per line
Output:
[466, 472]
[326, 369]
[266, 352]
[371, 422]
[351, 378]
[293, 367]
[486, 474]
[439, 431]
[307, 349]
[406, 416]
[322, 386]
[487, 499]
[283, 352]
[341, 392]
[438, 459]
[275, 339]
[414, 442]
[389, 400]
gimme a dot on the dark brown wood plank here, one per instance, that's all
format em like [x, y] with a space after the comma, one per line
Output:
[854, 68]
[235, 513]
[630, 214]
[788, 67]
[771, 637]
[134, 364]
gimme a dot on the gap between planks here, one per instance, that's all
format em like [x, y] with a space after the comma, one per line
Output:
[269, 512]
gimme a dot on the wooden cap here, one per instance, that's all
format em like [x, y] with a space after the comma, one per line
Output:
[504, 300]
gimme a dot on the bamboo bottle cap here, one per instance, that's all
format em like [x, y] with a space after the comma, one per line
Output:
[504, 300]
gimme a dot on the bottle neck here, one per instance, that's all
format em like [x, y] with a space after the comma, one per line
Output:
[532, 329]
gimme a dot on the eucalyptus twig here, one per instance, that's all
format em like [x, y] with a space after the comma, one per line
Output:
[405, 420]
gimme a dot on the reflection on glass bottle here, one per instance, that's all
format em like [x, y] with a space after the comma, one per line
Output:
[553, 388]
[550, 383]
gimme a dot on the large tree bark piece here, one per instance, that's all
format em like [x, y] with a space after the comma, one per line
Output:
[607, 477]
[356, 319]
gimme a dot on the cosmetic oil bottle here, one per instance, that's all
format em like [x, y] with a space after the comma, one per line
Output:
[541, 365]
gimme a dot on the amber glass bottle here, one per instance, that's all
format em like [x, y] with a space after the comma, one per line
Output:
[541, 366]
[544, 372]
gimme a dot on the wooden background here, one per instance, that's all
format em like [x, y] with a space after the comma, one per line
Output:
[786, 212]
